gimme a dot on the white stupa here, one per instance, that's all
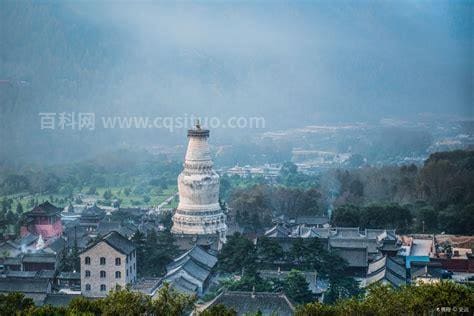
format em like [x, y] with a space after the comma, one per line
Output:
[199, 211]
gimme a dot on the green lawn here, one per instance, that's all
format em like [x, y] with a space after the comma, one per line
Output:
[156, 195]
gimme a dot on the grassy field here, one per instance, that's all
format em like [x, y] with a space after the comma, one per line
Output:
[133, 199]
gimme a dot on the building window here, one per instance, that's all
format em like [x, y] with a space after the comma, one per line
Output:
[102, 261]
[126, 259]
[87, 260]
[102, 274]
[88, 287]
[103, 288]
[118, 274]
[118, 261]
[127, 271]
[88, 274]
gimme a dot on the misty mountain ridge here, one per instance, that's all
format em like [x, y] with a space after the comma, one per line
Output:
[293, 65]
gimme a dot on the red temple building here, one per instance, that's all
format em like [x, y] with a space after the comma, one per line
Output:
[44, 220]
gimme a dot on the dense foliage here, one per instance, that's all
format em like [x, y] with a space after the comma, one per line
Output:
[439, 197]
[374, 216]
[154, 252]
[425, 299]
[119, 168]
[119, 302]
[254, 206]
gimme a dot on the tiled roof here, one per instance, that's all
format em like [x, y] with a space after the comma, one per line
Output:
[116, 241]
[192, 269]
[67, 275]
[57, 299]
[27, 240]
[24, 285]
[41, 274]
[375, 277]
[277, 231]
[312, 220]
[46, 209]
[12, 261]
[355, 257]
[39, 257]
[304, 232]
[249, 302]
[377, 265]
[20, 274]
[387, 269]
[348, 243]
[93, 213]
[184, 286]
[146, 285]
[199, 255]
[347, 232]
[127, 231]
[397, 266]
[119, 242]
[106, 227]
[189, 271]
[388, 234]
[323, 232]
[10, 247]
[58, 244]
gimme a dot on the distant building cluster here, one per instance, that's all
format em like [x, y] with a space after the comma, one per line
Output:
[267, 171]
[34, 262]
[380, 255]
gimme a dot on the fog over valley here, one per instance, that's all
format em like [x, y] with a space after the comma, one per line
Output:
[292, 64]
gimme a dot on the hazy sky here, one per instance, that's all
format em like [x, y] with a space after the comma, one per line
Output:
[292, 63]
[303, 61]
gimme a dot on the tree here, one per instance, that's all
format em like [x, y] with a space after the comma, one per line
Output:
[269, 250]
[107, 194]
[288, 168]
[427, 220]
[297, 288]
[12, 303]
[219, 310]
[237, 254]
[252, 281]
[154, 252]
[346, 216]
[252, 207]
[19, 208]
[126, 302]
[170, 302]
[92, 190]
[341, 287]
[457, 219]
[381, 299]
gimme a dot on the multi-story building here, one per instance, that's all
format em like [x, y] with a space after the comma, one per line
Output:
[44, 220]
[108, 264]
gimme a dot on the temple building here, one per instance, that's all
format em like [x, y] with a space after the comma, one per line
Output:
[199, 212]
[44, 220]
